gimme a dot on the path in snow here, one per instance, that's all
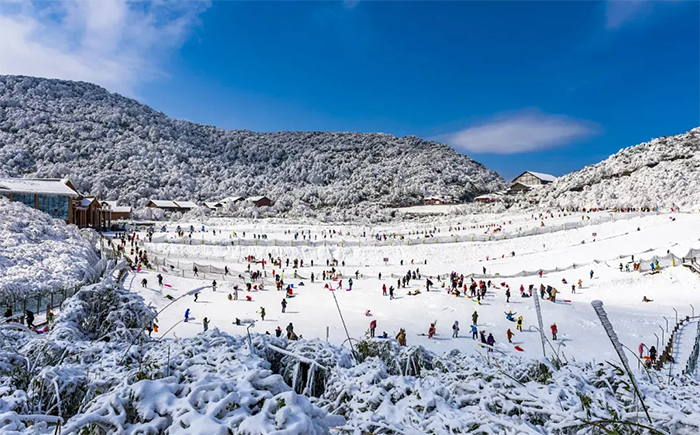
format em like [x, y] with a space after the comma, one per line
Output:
[683, 344]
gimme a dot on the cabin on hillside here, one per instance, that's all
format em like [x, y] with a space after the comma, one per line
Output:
[260, 201]
[170, 206]
[437, 200]
[489, 198]
[185, 206]
[528, 180]
[53, 196]
[116, 212]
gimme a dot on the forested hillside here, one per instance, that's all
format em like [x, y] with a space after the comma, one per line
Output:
[117, 148]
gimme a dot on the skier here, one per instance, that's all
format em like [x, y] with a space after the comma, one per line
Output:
[510, 316]
[290, 330]
[196, 295]
[350, 283]
[225, 270]
[510, 335]
[455, 329]
[372, 328]
[391, 292]
[30, 319]
[284, 305]
[519, 324]
[187, 315]
[652, 354]
[213, 285]
[474, 332]
[507, 295]
[431, 330]
[580, 284]
[573, 289]
[262, 313]
[554, 331]
[278, 332]
[482, 336]
[144, 283]
[205, 323]
[384, 290]
[196, 271]
[591, 273]
[475, 317]
[160, 280]
[554, 295]
[490, 341]
[312, 277]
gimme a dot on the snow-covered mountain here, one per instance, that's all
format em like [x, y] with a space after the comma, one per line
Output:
[664, 172]
[116, 148]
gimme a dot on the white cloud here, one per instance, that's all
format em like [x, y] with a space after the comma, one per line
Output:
[520, 132]
[114, 43]
[617, 12]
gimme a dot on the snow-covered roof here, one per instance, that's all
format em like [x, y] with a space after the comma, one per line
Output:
[212, 204]
[489, 196]
[233, 199]
[38, 186]
[120, 209]
[185, 204]
[255, 198]
[164, 203]
[110, 204]
[542, 176]
[85, 202]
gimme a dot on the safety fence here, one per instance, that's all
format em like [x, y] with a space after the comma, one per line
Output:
[402, 240]
[692, 366]
[39, 302]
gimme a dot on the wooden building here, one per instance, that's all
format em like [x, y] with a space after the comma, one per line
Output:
[89, 213]
[169, 206]
[116, 212]
[488, 198]
[529, 179]
[437, 200]
[56, 197]
[260, 201]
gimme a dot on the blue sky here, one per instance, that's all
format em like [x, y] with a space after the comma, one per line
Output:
[546, 86]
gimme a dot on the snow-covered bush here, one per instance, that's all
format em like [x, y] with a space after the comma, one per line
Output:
[39, 253]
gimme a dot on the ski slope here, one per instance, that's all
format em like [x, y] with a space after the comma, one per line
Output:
[314, 313]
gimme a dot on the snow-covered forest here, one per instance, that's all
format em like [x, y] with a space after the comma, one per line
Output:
[116, 148]
[39, 253]
[663, 172]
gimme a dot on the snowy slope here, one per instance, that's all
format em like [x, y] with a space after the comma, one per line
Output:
[39, 253]
[214, 383]
[116, 148]
[663, 172]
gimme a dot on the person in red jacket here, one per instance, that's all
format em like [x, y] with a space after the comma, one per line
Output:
[372, 327]
[554, 331]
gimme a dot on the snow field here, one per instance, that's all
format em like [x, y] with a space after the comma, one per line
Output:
[313, 309]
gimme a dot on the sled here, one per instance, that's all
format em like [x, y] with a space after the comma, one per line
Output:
[568, 301]
[367, 313]
[168, 285]
[518, 348]
[169, 297]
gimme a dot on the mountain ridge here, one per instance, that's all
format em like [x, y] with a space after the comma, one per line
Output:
[662, 172]
[118, 148]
